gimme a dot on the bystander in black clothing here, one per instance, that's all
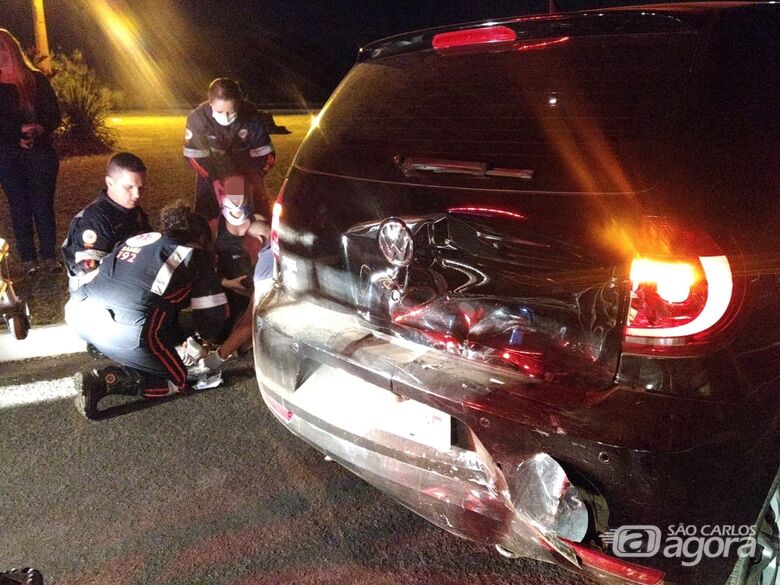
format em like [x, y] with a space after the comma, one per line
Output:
[29, 114]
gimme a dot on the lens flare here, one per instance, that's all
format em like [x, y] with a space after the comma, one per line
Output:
[147, 46]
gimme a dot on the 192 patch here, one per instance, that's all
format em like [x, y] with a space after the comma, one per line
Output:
[89, 237]
[188, 134]
[243, 133]
[143, 240]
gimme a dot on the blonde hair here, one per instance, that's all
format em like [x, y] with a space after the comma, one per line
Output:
[22, 70]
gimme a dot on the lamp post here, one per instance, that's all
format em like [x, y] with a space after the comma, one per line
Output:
[41, 40]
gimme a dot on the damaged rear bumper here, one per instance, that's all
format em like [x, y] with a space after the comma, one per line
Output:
[355, 397]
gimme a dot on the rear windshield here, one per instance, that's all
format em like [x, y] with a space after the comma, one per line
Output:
[574, 113]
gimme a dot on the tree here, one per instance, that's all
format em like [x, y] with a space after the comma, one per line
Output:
[86, 105]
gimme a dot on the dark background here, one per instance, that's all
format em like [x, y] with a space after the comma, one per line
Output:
[285, 52]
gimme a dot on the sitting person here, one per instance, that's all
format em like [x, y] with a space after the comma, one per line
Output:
[129, 311]
[240, 337]
[238, 236]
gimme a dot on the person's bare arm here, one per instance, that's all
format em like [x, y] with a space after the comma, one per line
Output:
[239, 336]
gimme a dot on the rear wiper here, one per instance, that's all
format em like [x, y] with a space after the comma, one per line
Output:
[409, 164]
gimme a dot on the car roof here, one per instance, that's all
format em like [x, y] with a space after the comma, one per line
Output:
[697, 11]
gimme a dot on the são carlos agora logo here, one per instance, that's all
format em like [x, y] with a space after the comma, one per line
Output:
[688, 543]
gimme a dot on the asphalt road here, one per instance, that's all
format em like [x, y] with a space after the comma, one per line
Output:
[204, 489]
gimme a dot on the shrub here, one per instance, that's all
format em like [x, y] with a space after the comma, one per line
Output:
[86, 104]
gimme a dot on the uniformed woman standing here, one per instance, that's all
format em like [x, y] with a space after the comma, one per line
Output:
[225, 136]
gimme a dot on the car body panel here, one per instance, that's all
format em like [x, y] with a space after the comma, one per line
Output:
[423, 294]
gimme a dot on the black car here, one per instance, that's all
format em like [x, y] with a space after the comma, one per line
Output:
[530, 278]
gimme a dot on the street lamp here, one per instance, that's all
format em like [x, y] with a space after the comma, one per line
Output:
[41, 40]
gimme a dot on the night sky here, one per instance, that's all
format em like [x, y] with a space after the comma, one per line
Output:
[285, 52]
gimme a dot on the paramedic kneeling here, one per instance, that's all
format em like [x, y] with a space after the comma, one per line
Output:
[129, 310]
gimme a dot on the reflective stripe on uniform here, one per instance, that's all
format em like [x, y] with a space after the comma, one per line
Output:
[196, 152]
[209, 301]
[165, 274]
[261, 151]
[169, 359]
[82, 255]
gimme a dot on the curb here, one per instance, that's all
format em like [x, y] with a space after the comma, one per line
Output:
[41, 342]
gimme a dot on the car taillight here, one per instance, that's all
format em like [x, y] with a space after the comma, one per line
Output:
[474, 36]
[678, 300]
[501, 38]
[275, 219]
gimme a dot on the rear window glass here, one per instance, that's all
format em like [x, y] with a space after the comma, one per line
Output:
[582, 114]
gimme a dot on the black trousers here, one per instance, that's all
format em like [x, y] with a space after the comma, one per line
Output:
[29, 179]
[143, 340]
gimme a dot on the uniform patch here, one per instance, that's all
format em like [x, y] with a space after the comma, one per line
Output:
[243, 133]
[143, 239]
[188, 134]
[89, 237]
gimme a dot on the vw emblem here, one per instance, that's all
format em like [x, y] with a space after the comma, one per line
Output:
[396, 242]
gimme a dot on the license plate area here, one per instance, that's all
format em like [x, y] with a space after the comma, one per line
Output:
[364, 409]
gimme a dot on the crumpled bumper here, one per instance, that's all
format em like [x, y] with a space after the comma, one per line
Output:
[345, 395]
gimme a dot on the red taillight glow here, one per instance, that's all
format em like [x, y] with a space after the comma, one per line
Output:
[492, 35]
[682, 289]
[474, 36]
[603, 563]
[677, 302]
[275, 219]
[673, 280]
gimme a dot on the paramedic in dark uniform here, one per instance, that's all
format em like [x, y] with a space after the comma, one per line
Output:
[111, 218]
[129, 311]
[226, 135]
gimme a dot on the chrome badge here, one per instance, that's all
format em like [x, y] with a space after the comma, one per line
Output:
[396, 242]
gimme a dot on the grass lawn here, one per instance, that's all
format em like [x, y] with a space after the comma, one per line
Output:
[157, 140]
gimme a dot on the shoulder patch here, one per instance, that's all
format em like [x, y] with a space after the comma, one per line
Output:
[188, 134]
[89, 237]
[243, 133]
[143, 239]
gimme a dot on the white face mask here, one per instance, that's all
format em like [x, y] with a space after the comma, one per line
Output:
[235, 212]
[224, 118]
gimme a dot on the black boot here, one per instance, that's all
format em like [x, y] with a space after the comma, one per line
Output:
[89, 390]
[121, 380]
[26, 576]
[94, 385]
